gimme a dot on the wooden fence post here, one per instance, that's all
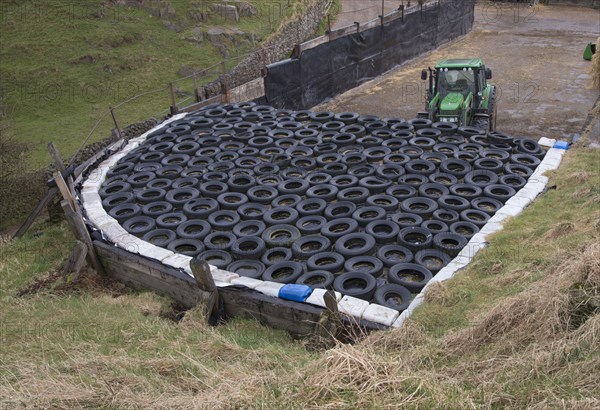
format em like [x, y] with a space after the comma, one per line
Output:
[76, 261]
[64, 190]
[174, 109]
[224, 82]
[196, 94]
[114, 117]
[56, 158]
[206, 283]
[47, 199]
[331, 326]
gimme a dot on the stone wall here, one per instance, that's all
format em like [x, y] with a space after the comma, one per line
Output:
[294, 30]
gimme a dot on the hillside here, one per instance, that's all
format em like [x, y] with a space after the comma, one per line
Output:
[63, 64]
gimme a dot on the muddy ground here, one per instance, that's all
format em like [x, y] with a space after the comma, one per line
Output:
[536, 57]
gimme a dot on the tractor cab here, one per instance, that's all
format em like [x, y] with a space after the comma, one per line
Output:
[458, 92]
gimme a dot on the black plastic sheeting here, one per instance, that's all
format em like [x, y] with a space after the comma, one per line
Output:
[344, 63]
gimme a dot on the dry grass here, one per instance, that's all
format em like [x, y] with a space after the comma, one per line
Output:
[540, 313]
[438, 293]
[210, 371]
[354, 376]
[549, 332]
[580, 177]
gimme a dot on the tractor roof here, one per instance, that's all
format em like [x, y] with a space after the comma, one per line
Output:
[460, 63]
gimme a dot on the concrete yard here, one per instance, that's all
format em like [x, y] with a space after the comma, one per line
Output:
[544, 85]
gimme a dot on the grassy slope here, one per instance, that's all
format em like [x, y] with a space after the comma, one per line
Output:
[520, 327]
[46, 96]
[334, 10]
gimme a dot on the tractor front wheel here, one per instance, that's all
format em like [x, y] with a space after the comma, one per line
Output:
[483, 122]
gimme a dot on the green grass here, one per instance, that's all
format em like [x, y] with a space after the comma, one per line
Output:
[48, 95]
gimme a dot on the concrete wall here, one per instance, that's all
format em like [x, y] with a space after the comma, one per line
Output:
[248, 91]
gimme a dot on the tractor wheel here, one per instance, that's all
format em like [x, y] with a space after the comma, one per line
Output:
[483, 123]
[493, 117]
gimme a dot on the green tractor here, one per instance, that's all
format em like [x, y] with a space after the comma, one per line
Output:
[459, 93]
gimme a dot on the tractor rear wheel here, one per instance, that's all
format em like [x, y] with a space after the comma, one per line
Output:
[488, 123]
[492, 110]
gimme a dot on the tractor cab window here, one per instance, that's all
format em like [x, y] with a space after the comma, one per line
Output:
[451, 81]
[480, 80]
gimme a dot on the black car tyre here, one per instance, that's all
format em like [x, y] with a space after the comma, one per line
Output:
[412, 276]
[356, 284]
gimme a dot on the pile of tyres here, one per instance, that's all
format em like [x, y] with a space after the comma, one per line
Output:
[372, 207]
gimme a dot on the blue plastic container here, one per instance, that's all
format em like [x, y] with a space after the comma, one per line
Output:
[561, 145]
[297, 293]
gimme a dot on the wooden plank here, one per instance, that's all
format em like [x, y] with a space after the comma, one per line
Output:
[369, 25]
[331, 301]
[206, 283]
[331, 324]
[307, 45]
[351, 29]
[64, 190]
[299, 319]
[36, 212]
[203, 103]
[144, 273]
[343, 32]
[81, 233]
[396, 14]
[201, 272]
[56, 158]
[59, 164]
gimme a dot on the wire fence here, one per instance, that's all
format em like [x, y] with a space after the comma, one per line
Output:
[362, 11]
[177, 94]
[214, 83]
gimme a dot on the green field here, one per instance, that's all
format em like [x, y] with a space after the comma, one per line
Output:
[63, 63]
